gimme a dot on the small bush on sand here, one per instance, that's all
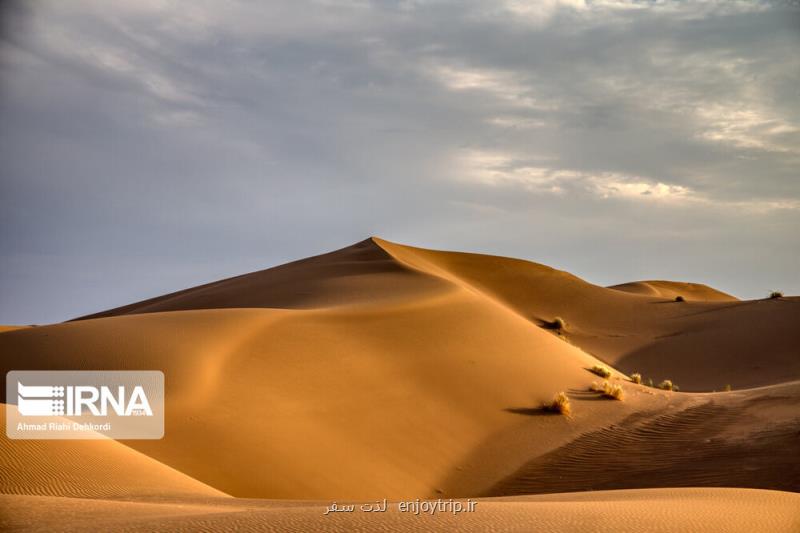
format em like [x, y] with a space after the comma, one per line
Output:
[601, 371]
[650, 382]
[776, 294]
[615, 391]
[666, 385]
[727, 388]
[636, 378]
[608, 390]
[558, 325]
[560, 404]
[680, 299]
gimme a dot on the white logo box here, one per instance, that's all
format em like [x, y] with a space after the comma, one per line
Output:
[85, 404]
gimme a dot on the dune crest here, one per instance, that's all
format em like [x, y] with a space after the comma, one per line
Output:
[361, 274]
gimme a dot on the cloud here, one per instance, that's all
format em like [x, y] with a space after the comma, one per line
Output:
[748, 128]
[212, 139]
[498, 170]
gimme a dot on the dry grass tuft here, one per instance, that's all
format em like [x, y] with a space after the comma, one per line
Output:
[601, 371]
[558, 324]
[680, 299]
[727, 388]
[776, 294]
[560, 404]
[608, 390]
[636, 378]
[667, 385]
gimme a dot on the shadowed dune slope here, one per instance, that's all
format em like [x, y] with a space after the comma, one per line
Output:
[673, 289]
[359, 274]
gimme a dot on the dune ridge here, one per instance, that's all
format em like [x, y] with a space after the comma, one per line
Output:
[359, 274]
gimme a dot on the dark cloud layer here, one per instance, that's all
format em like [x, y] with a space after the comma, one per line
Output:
[152, 145]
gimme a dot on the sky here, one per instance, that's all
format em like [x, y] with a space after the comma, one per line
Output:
[152, 145]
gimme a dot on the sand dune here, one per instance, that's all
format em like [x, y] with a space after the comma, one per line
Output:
[384, 370]
[673, 289]
[705, 343]
[360, 274]
[268, 386]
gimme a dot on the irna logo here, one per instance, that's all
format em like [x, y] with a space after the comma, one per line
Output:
[59, 400]
[84, 404]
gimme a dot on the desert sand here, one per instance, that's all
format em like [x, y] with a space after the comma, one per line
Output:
[388, 371]
[10, 328]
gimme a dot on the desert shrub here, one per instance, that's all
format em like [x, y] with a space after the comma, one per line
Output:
[608, 390]
[727, 388]
[650, 382]
[615, 391]
[636, 378]
[560, 404]
[680, 299]
[776, 294]
[666, 385]
[558, 323]
[601, 371]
